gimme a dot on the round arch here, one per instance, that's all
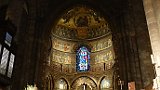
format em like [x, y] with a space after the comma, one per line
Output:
[84, 80]
[105, 83]
[49, 41]
[61, 84]
[52, 19]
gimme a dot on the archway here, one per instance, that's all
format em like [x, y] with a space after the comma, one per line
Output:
[84, 83]
[106, 83]
[83, 29]
[61, 84]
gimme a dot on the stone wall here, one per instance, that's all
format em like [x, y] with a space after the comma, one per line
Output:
[35, 18]
[134, 49]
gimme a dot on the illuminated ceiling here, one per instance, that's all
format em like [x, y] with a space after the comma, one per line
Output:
[81, 23]
[82, 26]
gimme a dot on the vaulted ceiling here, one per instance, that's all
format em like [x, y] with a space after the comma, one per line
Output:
[81, 23]
[107, 8]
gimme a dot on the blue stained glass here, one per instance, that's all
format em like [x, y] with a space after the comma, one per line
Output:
[8, 39]
[83, 59]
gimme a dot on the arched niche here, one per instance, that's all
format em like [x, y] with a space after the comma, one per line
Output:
[61, 84]
[84, 82]
[106, 83]
[69, 33]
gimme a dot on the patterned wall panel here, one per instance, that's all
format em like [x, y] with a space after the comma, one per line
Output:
[101, 44]
[64, 54]
[63, 58]
[103, 56]
[63, 45]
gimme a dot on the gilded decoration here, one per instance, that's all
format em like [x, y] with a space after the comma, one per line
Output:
[95, 45]
[61, 84]
[84, 81]
[62, 45]
[64, 52]
[82, 26]
[63, 58]
[103, 56]
[107, 82]
[81, 23]
[101, 44]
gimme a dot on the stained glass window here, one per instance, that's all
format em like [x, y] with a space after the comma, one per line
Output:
[83, 59]
[8, 39]
[11, 63]
[4, 61]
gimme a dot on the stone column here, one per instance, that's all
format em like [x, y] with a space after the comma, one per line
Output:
[152, 12]
[153, 28]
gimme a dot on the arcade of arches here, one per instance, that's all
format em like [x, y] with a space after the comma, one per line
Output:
[82, 27]
[79, 44]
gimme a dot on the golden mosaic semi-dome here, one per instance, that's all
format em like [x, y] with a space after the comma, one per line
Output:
[81, 23]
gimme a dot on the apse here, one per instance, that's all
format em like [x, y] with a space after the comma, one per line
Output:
[81, 46]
